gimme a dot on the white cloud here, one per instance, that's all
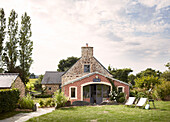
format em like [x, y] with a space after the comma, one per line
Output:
[130, 33]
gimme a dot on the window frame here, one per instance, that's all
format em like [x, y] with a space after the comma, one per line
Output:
[49, 88]
[120, 87]
[75, 92]
[89, 68]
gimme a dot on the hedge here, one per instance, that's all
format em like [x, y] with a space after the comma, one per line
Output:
[43, 96]
[8, 99]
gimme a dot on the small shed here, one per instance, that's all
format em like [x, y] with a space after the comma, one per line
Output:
[52, 81]
[12, 80]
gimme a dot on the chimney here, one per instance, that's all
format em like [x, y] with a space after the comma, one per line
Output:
[87, 51]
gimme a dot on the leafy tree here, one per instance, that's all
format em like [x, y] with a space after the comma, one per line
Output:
[37, 84]
[166, 75]
[162, 91]
[65, 64]
[11, 53]
[149, 72]
[120, 74]
[147, 82]
[131, 79]
[2, 35]
[168, 65]
[26, 47]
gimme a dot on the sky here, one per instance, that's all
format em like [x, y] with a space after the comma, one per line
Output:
[124, 33]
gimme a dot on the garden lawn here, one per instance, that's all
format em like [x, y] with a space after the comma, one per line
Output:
[107, 113]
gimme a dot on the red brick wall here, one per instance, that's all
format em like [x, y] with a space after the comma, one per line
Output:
[90, 79]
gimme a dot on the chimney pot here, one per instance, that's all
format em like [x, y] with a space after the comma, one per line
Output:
[86, 44]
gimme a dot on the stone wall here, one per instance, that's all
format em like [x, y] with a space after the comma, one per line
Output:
[77, 70]
[19, 85]
[54, 88]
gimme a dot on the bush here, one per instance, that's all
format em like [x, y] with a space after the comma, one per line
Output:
[43, 96]
[47, 102]
[59, 99]
[162, 91]
[8, 99]
[42, 104]
[26, 102]
[80, 103]
[120, 97]
[141, 94]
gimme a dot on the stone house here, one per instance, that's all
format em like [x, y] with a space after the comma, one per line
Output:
[88, 80]
[12, 80]
[52, 81]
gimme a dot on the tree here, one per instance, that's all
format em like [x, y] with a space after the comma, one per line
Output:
[11, 53]
[37, 84]
[120, 74]
[168, 65]
[166, 75]
[25, 47]
[65, 64]
[131, 79]
[2, 35]
[149, 72]
[147, 82]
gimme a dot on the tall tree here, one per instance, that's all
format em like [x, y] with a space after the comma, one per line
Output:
[149, 72]
[26, 47]
[120, 74]
[65, 64]
[2, 35]
[11, 53]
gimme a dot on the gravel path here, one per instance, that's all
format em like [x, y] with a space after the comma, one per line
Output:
[21, 117]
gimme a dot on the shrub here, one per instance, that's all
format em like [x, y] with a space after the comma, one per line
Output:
[80, 103]
[59, 99]
[121, 100]
[41, 103]
[43, 96]
[162, 91]
[141, 94]
[8, 99]
[47, 102]
[120, 97]
[26, 102]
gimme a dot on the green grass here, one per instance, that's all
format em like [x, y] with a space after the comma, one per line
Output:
[10, 114]
[107, 113]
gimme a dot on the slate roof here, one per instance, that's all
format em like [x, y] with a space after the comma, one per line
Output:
[6, 79]
[52, 77]
[88, 75]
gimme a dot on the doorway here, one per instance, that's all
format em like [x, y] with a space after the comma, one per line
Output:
[96, 92]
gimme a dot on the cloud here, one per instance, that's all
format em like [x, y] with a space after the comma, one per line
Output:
[130, 32]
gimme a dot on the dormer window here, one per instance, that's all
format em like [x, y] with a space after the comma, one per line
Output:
[86, 68]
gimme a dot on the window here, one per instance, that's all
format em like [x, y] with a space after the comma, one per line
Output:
[73, 92]
[120, 89]
[49, 88]
[86, 91]
[86, 68]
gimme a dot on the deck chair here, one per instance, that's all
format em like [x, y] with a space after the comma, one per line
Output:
[130, 101]
[141, 102]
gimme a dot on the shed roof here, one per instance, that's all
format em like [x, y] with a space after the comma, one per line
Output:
[52, 77]
[6, 79]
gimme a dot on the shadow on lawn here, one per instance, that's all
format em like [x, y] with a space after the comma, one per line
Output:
[68, 108]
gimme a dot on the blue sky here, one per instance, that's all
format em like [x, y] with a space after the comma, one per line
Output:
[124, 33]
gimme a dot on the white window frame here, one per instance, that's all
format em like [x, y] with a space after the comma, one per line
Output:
[75, 92]
[121, 87]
